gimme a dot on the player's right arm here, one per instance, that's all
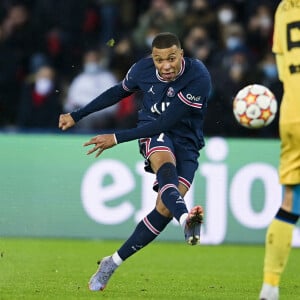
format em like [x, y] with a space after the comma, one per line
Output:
[106, 99]
[65, 121]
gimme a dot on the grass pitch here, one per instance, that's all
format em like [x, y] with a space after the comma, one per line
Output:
[60, 269]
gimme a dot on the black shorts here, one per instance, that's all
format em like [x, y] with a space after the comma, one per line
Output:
[183, 151]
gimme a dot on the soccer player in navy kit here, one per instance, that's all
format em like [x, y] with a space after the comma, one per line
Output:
[169, 131]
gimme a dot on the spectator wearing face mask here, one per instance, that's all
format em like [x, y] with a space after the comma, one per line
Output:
[94, 79]
[232, 39]
[268, 69]
[40, 102]
[226, 14]
[233, 36]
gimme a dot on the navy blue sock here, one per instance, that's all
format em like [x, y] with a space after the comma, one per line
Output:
[145, 232]
[168, 182]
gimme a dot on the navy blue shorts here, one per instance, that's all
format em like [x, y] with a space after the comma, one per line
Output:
[183, 151]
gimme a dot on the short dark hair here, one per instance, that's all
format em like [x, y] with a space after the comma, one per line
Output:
[166, 40]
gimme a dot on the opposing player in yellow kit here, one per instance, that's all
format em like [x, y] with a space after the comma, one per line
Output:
[286, 46]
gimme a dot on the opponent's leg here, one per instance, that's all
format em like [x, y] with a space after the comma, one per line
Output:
[145, 232]
[278, 242]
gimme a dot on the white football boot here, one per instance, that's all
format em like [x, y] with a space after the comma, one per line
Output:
[106, 268]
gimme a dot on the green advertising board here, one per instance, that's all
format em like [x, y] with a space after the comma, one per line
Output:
[49, 187]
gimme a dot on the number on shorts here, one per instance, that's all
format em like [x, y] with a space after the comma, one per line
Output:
[161, 137]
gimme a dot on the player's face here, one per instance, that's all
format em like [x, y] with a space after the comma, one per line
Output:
[167, 61]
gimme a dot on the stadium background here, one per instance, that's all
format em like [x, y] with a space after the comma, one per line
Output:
[49, 187]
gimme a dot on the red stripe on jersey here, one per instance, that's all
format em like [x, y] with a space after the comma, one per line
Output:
[188, 102]
[150, 226]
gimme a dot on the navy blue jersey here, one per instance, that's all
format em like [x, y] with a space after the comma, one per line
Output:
[190, 89]
[175, 107]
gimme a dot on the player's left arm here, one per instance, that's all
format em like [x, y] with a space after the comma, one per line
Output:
[186, 100]
[173, 114]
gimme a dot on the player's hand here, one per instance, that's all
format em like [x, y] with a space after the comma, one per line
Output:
[101, 143]
[65, 121]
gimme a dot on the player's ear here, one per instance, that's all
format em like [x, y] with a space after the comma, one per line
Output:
[181, 52]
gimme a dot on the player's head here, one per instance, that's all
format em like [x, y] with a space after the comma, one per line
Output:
[167, 55]
[165, 40]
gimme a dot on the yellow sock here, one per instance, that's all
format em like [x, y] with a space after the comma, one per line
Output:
[278, 246]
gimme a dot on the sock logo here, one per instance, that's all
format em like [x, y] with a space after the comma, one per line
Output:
[136, 248]
[180, 200]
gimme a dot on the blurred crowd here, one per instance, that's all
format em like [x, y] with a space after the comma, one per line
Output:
[56, 56]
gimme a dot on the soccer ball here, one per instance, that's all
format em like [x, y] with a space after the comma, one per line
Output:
[254, 106]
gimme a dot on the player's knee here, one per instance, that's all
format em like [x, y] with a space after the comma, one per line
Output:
[159, 159]
[296, 200]
[291, 199]
[167, 170]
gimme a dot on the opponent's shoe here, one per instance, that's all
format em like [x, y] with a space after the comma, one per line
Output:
[106, 268]
[193, 225]
[269, 292]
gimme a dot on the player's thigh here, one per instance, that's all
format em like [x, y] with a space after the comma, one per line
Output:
[157, 159]
[289, 166]
[157, 150]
